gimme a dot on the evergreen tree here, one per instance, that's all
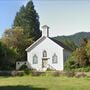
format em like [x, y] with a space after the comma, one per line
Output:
[28, 19]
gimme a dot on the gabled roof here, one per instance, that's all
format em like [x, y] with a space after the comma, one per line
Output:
[36, 43]
[42, 39]
[61, 44]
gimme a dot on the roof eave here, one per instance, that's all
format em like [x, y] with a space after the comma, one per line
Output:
[27, 49]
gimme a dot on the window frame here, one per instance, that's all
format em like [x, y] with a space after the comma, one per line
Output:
[35, 59]
[54, 59]
[44, 53]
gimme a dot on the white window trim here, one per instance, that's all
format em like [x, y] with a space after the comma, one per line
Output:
[35, 57]
[53, 57]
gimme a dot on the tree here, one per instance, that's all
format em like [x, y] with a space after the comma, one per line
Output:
[28, 19]
[88, 49]
[16, 38]
[81, 57]
[84, 42]
[7, 57]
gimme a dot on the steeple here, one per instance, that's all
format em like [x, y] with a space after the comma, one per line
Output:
[45, 31]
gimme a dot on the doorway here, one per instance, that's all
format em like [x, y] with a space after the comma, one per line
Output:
[44, 62]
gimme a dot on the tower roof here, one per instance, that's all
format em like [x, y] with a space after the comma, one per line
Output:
[45, 26]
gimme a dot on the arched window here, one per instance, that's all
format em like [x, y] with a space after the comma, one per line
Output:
[54, 58]
[44, 53]
[35, 59]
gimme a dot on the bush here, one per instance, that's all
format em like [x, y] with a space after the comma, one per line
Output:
[83, 69]
[23, 67]
[70, 64]
[87, 69]
[27, 71]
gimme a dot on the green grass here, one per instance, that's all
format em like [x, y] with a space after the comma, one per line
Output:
[44, 83]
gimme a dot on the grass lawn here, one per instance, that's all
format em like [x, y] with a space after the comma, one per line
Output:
[44, 83]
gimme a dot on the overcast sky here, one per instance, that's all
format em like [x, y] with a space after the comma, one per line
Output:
[64, 17]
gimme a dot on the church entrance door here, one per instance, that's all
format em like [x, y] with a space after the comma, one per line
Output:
[44, 62]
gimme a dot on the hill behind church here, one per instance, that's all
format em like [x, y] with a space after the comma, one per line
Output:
[75, 38]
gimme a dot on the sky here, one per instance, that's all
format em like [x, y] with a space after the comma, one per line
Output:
[64, 17]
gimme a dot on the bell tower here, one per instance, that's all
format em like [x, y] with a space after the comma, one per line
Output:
[45, 31]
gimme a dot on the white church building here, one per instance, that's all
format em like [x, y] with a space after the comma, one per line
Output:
[46, 53]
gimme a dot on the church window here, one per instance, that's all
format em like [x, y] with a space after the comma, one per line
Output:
[44, 53]
[35, 59]
[54, 59]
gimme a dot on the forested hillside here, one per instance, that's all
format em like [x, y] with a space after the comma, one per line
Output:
[74, 40]
[77, 38]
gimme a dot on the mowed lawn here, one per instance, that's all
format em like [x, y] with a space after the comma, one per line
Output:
[44, 83]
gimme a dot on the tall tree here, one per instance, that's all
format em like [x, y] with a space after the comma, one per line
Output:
[16, 39]
[28, 19]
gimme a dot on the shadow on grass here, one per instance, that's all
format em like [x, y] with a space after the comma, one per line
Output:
[20, 88]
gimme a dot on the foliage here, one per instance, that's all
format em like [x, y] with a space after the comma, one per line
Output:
[7, 57]
[88, 49]
[28, 19]
[17, 40]
[70, 62]
[82, 69]
[27, 71]
[70, 44]
[81, 57]
[23, 67]
[77, 38]
[24, 32]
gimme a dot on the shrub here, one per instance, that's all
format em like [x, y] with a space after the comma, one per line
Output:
[27, 71]
[87, 69]
[83, 69]
[69, 64]
[23, 67]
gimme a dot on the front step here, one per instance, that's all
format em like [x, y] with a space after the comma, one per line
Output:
[42, 69]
